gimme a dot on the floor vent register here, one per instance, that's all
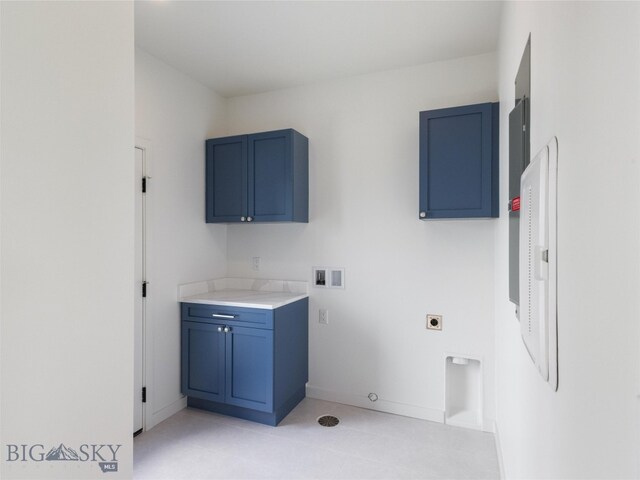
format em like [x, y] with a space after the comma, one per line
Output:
[328, 421]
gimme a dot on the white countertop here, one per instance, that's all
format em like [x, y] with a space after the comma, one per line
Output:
[240, 292]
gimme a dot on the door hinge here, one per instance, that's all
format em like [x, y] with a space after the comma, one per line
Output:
[144, 289]
[144, 394]
[144, 184]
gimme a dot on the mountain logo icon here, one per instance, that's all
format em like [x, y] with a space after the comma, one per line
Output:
[62, 453]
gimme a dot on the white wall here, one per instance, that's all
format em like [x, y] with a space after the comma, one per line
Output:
[175, 114]
[585, 90]
[67, 232]
[363, 141]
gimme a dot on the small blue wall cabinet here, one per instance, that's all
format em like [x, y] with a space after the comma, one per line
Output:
[262, 177]
[459, 162]
[245, 362]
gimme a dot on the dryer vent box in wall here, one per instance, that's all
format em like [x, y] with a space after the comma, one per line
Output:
[538, 262]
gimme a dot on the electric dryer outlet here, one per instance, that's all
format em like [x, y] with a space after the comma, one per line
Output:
[434, 322]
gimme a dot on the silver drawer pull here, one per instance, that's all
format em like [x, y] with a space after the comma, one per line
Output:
[222, 315]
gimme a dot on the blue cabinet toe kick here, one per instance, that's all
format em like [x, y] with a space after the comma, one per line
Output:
[266, 418]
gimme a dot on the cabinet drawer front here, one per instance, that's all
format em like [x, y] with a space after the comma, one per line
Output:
[254, 317]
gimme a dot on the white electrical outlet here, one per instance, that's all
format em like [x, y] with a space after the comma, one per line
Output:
[255, 263]
[323, 316]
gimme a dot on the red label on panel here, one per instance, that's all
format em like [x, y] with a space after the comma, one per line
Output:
[515, 204]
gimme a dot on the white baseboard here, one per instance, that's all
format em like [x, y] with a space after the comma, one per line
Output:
[156, 417]
[488, 425]
[380, 405]
[499, 450]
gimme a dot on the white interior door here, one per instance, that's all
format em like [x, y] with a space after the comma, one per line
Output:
[139, 300]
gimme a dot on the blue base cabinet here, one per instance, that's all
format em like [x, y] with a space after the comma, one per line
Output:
[459, 162]
[262, 177]
[245, 362]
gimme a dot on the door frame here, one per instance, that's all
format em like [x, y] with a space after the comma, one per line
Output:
[147, 324]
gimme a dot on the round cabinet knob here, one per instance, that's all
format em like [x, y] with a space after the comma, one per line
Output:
[227, 329]
[423, 214]
[242, 219]
[221, 329]
[249, 219]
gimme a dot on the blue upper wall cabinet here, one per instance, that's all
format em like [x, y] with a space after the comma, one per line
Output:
[262, 177]
[459, 162]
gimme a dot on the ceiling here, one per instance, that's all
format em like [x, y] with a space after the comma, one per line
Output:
[241, 47]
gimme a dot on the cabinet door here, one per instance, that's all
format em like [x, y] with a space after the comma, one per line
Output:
[249, 375]
[203, 361]
[458, 162]
[226, 178]
[270, 176]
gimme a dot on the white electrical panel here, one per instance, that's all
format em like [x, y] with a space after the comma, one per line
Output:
[538, 261]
